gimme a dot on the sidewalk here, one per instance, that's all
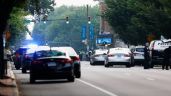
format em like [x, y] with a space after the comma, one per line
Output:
[8, 85]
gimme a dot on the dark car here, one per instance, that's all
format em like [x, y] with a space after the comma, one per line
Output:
[27, 59]
[75, 58]
[51, 64]
[18, 57]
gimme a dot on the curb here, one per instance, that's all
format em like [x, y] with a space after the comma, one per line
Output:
[11, 74]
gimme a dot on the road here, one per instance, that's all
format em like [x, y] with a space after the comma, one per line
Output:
[101, 81]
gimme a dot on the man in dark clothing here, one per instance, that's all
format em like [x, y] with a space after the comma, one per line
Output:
[167, 58]
[146, 57]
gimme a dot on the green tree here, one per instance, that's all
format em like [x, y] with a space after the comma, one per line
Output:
[135, 20]
[56, 29]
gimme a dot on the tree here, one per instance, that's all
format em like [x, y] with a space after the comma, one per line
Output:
[6, 7]
[56, 29]
[135, 20]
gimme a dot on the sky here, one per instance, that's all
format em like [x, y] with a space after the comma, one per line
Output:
[75, 2]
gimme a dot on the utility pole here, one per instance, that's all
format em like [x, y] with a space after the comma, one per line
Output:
[87, 28]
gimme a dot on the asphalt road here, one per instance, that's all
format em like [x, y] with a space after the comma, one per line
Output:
[101, 81]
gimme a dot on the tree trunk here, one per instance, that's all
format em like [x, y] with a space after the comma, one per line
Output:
[5, 9]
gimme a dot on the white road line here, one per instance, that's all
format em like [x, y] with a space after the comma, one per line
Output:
[96, 87]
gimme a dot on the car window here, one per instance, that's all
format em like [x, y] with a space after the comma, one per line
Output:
[100, 52]
[49, 53]
[69, 50]
[140, 49]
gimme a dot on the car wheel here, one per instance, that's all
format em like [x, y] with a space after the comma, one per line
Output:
[78, 74]
[151, 64]
[128, 65]
[32, 79]
[24, 70]
[71, 78]
[106, 65]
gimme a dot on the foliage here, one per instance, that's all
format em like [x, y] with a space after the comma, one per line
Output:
[16, 25]
[40, 6]
[135, 20]
[56, 30]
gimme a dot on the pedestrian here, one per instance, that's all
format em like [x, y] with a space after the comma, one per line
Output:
[146, 56]
[167, 58]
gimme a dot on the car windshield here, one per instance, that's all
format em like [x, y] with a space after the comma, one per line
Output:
[100, 52]
[140, 49]
[49, 53]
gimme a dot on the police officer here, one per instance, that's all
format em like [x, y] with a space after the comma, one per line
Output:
[146, 56]
[167, 58]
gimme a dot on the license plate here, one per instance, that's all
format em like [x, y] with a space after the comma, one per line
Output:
[50, 64]
[119, 56]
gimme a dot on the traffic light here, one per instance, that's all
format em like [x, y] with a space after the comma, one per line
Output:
[89, 20]
[67, 20]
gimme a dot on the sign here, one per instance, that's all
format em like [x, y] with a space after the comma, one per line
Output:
[104, 41]
[91, 32]
[83, 34]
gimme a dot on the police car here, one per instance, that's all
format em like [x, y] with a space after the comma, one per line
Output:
[156, 49]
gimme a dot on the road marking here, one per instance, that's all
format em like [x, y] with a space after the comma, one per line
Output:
[96, 87]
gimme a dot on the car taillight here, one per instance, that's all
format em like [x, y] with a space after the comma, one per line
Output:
[66, 61]
[127, 55]
[75, 58]
[110, 55]
[37, 62]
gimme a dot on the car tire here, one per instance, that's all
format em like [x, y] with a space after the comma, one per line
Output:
[71, 78]
[128, 65]
[106, 65]
[78, 74]
[24, 70]
[151, 64]
[32, 79]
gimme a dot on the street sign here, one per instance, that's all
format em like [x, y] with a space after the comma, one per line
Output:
[91, 32]
[83, 34]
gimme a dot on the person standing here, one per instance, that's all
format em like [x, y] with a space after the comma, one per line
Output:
[146, 56]
[167, 58]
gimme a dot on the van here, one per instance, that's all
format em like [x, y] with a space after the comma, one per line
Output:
[156, 50]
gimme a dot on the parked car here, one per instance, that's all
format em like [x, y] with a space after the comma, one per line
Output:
[18, 56]
[156, 49]
[119, 56]
[138, 52]
[27, 59]
[51, 64]
[98, 56]
[75, 58]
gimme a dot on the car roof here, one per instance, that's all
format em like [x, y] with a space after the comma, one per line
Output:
[160, 44]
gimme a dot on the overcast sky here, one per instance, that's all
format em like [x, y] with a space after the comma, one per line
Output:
[75, 2]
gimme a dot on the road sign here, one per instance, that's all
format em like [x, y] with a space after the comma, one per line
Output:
[91, 32]
[83, 34]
